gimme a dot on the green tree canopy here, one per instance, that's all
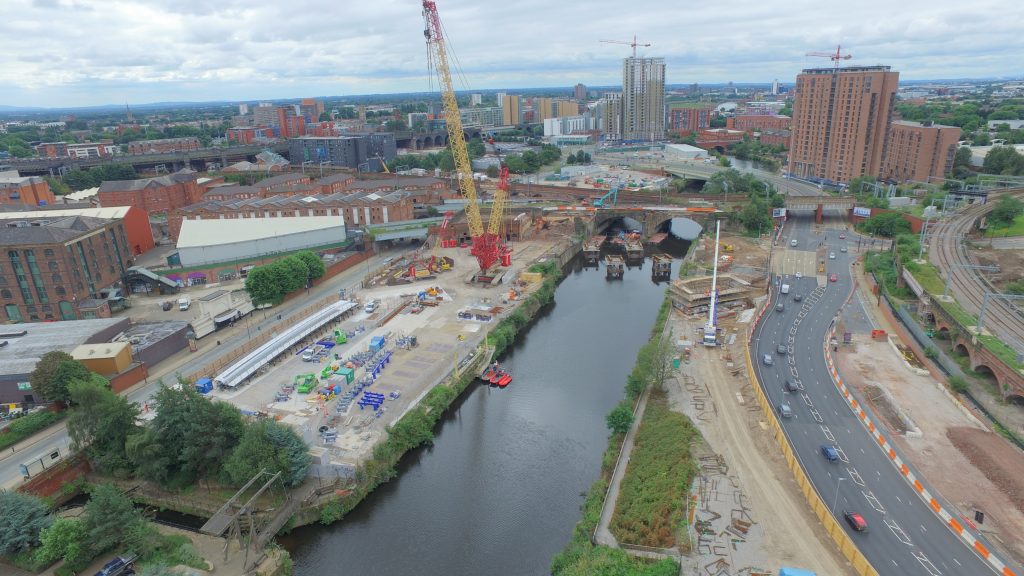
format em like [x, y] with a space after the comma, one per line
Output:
[109, 518]
[1004, 160]
[66, 539]
[54, 372]
[619, 419]
[314, 265]
[189, 438]
[887, 224]
[1005, 211]
[22, 518]
[269, 445]
[100, 424]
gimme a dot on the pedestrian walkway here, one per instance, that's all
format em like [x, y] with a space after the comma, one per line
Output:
[603, 535]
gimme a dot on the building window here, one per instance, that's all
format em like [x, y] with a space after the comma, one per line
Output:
[48, 253]
[60, 290]
[6, 294]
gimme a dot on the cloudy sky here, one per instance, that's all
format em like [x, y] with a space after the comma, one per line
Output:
[92, 52]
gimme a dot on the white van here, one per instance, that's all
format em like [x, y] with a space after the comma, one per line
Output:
[184, 303]
[793, 242]
[371, 307]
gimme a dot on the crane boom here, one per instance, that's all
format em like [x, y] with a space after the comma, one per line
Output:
[456, 138]
[634, 43]
[833, 56]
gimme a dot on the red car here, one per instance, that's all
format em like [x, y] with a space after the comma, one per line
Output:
[856, 521]
[833, 277]
[842, 236]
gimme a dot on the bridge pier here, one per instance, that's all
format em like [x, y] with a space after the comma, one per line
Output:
[819, 214]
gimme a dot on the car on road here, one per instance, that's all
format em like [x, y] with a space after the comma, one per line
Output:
[831, 255]
[781, 349]
[790, 386]
[798, 297]
[767, 359]
[793, 242]
[855, 520]
[833, 277]
[843, 249]
[842, 236]
[829, 452]
[784, 410]
[780, 307]
[799, 275]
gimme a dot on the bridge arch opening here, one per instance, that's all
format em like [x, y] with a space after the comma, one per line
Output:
[1015, 399]
[987, 373]
[961, 350]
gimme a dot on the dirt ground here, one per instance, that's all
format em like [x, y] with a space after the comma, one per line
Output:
[970, 467]
[746, 252]
[1010, 262]
[723, 406]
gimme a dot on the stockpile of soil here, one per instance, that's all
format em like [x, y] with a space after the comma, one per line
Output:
[1000, 462]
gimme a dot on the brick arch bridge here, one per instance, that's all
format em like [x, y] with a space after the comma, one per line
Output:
[412, 141]
[1010, 381]
[650, 218]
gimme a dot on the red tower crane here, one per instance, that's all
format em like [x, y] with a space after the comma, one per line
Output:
[834, 56]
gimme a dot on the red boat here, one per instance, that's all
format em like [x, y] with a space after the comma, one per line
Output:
[498, 375]
[486, 376]
[505, 380]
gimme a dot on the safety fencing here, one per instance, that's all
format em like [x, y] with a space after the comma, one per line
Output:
[846, 546]
[954, 524]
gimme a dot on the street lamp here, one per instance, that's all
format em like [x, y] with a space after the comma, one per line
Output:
[835, 500]
[325, 162]
[304, 166]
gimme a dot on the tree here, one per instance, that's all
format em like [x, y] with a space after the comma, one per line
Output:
[65, 539]
[962, 162]
[324, 117]
[887, 224]
[22, 518]
[100, 424]
[1005, 211]
[619, 419]
[44, 379]
[189, 438]
[109, 517]
[263, 285]
[272, 446]
[1004, 160]
[756, 216]
[314, 265]
[297, 272]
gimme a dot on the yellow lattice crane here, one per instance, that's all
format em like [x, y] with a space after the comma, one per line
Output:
[488, 246]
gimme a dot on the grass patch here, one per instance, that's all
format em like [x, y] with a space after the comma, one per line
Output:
[1014, 229]
[928, 276]
[22, 428]
[652, 501]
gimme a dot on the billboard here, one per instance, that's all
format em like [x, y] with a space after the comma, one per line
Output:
[862, 212]
[778, 212]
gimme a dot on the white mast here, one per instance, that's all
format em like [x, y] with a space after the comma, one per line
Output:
[711, 329]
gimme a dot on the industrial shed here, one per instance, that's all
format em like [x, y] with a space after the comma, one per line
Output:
[211, 241]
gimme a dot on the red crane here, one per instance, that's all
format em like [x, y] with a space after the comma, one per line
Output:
[834, 56]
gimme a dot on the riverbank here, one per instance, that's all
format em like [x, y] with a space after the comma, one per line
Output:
[417, 426]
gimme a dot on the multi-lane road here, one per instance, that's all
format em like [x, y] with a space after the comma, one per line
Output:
[904, 536]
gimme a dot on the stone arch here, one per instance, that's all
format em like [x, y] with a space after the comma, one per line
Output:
[988, 372]
[961, 349]
[1016, 399]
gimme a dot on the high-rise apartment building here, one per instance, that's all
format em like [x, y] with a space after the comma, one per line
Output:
[311, 109]
[841, 122]
[919, 151]
[580, 92]
[643, 98]
[476, 99]
[543, 108]
[611, 120]
[243, 109]
[566, 108]
[264, 114]
[511, 111]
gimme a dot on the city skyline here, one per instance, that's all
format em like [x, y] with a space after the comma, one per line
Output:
[139, 51]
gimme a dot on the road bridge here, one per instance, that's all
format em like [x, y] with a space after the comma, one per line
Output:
[819, 204]
[421, 140]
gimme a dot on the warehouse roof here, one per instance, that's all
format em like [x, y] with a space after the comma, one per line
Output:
[113, 212]
[23, 351]
[199, 233]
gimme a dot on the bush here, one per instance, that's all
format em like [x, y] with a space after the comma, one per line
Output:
[958, 384]
[26, 426]
[22, 518]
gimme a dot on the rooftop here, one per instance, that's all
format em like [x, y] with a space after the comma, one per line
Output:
[21, 353]
[107, 213]
[48, 230]
[200, 233]
[919, 124]
[847, 69]
[101, 350]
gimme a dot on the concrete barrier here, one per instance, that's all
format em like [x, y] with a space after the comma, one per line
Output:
[846, 546]
[887, 448]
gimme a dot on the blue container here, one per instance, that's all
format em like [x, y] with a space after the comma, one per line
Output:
[204, 385]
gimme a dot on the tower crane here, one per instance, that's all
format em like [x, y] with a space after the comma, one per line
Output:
[634, 43]
[488, 245]
[833, 56]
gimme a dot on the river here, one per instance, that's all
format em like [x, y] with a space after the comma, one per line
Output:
[499, 490]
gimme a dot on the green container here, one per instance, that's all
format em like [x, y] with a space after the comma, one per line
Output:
[675, 362]
[348, 373]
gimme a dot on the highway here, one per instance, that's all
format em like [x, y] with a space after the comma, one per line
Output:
[904, 536]
[1002, 317]
[56, 439]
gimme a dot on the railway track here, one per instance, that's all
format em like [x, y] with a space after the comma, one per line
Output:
[1002, 318]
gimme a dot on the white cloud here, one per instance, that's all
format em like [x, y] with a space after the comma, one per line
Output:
[86, 52]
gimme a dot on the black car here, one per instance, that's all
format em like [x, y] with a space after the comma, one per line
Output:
[798, 297]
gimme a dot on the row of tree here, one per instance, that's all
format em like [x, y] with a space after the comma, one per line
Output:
[531, 161]
[191, 438]
[81, 179]
[271, 282]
